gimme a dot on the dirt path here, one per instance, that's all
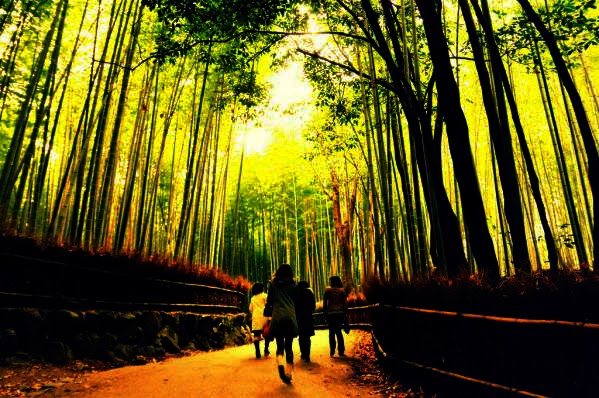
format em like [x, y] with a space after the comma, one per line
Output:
[231, 372]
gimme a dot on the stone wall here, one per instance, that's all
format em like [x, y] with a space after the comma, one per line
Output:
[136, 337]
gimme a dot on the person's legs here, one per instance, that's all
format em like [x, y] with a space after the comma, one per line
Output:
[332, 343]
[280, 346]
[289, 357]
[257, 335]
[304, 343]
[335, 326]
[280, 353]
[300, 340]
[289, 349]
[257, 347]
[266, 344]
[341, 342]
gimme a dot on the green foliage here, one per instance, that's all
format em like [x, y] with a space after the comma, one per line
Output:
[246, 89]
[30, 8]
[328, 141]
[339, 99]
[573, 28]
[185, 23]
[338, 91]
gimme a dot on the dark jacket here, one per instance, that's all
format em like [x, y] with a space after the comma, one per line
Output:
[282, 296]
[304, 308]
[334, 301]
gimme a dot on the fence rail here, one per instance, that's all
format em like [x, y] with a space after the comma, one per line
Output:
[359, 317]
[19, 300]
[548, 322]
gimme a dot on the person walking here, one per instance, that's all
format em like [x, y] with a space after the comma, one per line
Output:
[282, 297]
[257, 304]
[334, 308]
[304, 309]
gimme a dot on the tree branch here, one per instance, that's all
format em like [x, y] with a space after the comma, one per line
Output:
[348, 68]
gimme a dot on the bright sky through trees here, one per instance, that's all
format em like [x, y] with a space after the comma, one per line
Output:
[288, 110]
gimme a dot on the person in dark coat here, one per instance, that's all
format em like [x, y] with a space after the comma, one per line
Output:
[282, 296]
[334, 307]
[306, 304]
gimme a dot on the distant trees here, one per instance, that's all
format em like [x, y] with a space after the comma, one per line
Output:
[94, 154]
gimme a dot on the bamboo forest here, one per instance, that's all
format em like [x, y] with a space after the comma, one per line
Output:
[170, 168]
[395, 139]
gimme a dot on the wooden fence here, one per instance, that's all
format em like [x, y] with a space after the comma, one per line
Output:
[485, 355]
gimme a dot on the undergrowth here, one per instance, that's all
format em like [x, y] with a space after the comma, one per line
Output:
[567, 295]
[126, 262]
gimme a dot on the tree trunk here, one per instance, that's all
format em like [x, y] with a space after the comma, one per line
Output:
[459, 142]
[343, 229]
[501, 138]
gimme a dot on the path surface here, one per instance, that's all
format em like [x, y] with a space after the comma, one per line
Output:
[232, 372]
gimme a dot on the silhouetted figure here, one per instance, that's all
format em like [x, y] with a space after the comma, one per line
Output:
[334, 307]
[257, 304]
[304, 308]
[282, 296]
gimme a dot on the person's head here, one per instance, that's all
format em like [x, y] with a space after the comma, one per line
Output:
[284, 272]
[335, 281]
[257, 288]
[303, 285]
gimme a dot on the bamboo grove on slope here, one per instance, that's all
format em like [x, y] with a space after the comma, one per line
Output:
[454, 136]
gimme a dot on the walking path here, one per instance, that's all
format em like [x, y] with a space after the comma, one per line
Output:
[232, 372]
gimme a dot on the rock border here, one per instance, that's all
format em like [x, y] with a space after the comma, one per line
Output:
[60, 336]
